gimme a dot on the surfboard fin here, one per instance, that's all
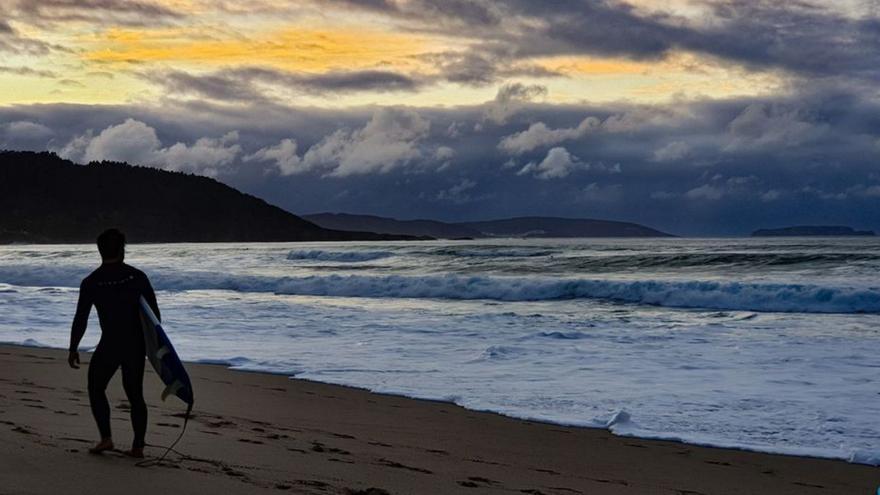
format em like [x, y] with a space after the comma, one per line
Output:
[171, 389]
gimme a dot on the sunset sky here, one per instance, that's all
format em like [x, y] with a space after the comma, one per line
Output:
[698, 117]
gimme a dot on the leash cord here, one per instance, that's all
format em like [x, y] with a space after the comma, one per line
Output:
[153, 462]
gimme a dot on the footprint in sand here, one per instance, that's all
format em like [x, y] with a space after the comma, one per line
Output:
[616, 482]
[231, 472]
[811, 485]
[71, 439]
[476, 482]
[320, 447]
[397, 465]
[313, 483]
[221, 424]
[564, 489]
[491, 463]
[547, 471]
[368, 491]
[23, 430]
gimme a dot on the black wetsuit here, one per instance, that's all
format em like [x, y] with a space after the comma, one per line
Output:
[115, 289]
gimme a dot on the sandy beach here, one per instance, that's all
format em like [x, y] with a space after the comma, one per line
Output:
[256, 433]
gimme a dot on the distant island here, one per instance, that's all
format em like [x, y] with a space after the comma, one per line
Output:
[46, 199]
[811, 230]
[430, 228]
[511, 227]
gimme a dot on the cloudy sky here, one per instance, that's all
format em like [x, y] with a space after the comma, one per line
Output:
[699, 117]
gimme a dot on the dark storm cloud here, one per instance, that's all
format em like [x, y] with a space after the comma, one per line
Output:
[128, 12]
[481, 69]
[257, 84]
[450, 12]
[11, 41]
[261, 84]
[46, 13]
[27, 71]
[215, 86]
[334, 81]
[791, 36]
[708, 167]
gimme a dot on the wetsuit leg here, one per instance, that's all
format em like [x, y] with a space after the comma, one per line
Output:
[101, 369]
[133, 383]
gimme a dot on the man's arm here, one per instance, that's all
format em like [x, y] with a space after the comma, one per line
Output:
[80, 321]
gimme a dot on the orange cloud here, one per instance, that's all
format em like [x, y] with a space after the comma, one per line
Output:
[578, 66]
[290, 48]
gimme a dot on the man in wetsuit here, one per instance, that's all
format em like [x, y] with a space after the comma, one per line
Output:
[114, 289]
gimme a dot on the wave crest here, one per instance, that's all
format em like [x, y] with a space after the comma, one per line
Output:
[338, 256]
[733, 296]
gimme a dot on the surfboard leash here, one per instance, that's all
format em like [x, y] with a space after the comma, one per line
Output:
[169, 449]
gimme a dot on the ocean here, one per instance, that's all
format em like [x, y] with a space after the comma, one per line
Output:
[762, 344]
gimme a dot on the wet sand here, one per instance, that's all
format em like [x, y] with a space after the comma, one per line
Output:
[261, 433]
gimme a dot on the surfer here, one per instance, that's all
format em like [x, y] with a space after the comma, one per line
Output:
[114, 289]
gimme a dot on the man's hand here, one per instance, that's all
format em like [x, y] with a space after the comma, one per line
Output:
[73, 359]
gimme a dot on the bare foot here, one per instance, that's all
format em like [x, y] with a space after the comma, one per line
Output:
[104, 445]
[136, 453]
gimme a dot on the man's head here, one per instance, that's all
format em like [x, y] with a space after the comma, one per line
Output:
[111, 245]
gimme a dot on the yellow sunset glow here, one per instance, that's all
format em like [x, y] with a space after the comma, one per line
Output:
[113, 63]
[291, 48]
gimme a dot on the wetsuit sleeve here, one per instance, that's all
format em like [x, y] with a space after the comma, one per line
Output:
[81, 318]
[150, 296]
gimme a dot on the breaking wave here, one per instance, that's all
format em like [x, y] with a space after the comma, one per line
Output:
[737, 296]
[338, 256]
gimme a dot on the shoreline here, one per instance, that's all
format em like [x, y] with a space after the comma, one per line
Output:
[253, 432]
[851, 458]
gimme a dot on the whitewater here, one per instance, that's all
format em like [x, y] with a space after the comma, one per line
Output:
[761, 344]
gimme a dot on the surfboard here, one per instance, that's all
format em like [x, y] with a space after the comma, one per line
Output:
[163, 357]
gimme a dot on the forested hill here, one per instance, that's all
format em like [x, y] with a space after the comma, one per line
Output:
[46, 199]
